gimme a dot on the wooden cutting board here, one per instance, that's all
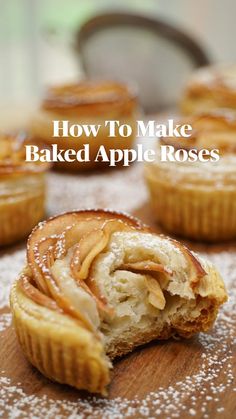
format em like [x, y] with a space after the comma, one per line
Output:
[184, 378]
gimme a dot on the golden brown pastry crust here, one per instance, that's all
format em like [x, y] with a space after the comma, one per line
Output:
[86, 102]
[210, 88]
[22, 190]
[90, 98]
[61, 325]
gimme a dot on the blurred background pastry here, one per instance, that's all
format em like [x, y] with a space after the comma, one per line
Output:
[88, 102]
[22, 190]
[210, 88]
[197, 199]
[211, 129]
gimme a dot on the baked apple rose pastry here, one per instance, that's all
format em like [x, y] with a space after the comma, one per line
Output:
[194, 198]
[91, 103]
[210, 88]
[22, 190]
[98, 284]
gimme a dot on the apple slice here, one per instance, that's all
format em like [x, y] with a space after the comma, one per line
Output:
[146, 266]
[37, 264]
[156, 296]
[91, 245]
[35, 295]
[86, 250]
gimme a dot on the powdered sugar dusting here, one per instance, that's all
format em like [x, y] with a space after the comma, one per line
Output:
[122, 190]
[5, 321]
[168, 402]
[196, 395]
[10, 266]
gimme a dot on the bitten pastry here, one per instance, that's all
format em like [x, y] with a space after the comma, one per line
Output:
[196, 199]
[210, 88]
[22, 190]
[96, 285]
[87, 102]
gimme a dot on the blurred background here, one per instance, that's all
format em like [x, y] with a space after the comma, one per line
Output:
[39, 45]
